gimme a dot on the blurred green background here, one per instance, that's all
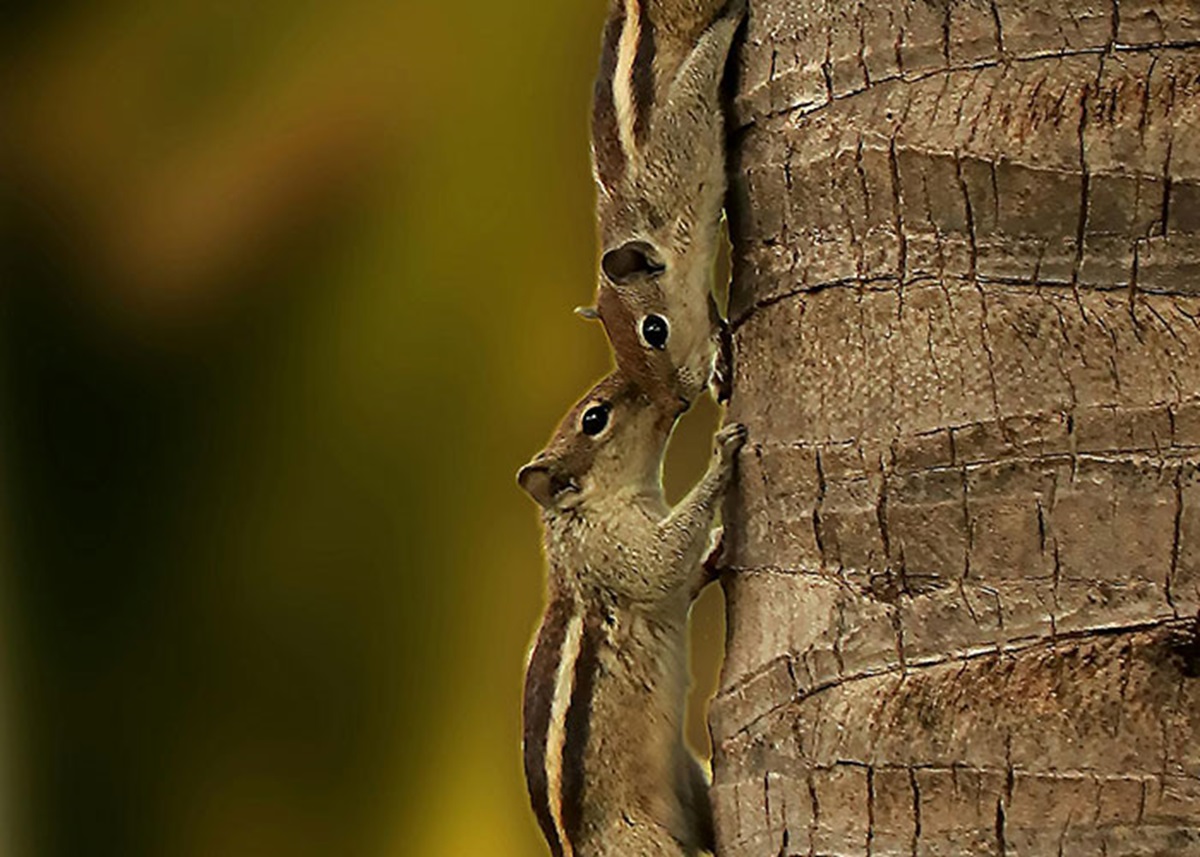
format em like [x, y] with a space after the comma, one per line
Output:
[286, 301]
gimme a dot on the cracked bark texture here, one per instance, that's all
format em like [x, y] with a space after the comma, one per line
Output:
[964, 547]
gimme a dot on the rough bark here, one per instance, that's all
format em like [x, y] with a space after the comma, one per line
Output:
[965, 545]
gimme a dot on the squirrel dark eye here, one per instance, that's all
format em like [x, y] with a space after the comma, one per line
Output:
[631, 261]
[595, 419]
[655, 331]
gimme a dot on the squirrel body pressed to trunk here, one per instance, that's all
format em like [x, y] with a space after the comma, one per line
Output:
[658, 155]
[606, 767]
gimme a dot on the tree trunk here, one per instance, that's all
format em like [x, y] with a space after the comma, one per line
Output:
[965, 547]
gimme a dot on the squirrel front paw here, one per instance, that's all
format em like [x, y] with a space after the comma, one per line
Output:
[730, 439]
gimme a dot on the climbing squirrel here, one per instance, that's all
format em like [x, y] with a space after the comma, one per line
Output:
[605, 764]
[658, 157]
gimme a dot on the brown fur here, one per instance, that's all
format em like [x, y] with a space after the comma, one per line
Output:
[669, 191]
[616, 550]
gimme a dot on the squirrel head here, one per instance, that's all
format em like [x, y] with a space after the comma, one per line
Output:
[663, 329]
[611, 441]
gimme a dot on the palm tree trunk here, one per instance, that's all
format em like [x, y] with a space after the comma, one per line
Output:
[964, 552]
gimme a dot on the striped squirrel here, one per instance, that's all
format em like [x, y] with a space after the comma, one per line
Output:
[658, 156]
[605, 764]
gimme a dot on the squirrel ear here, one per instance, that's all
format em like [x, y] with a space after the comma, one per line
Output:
[588, 312]
[630, 261]
[541, 482]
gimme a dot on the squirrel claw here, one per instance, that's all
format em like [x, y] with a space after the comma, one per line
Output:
[731, 438]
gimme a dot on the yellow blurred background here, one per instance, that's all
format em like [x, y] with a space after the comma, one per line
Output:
[286, 302]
